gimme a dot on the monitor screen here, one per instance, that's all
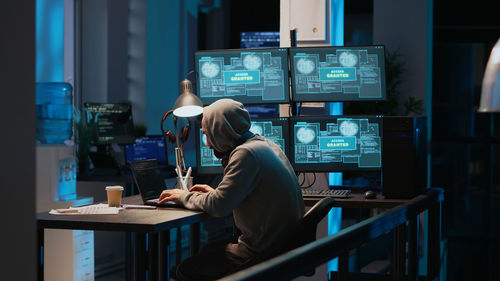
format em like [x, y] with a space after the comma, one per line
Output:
[148, 147]
[250, 76]
[114, 122]
[274, 129]
[260, 39]
[338, 73]
[336, 143]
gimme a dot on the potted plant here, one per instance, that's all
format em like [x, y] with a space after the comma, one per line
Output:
[84, 134]
[394, 70]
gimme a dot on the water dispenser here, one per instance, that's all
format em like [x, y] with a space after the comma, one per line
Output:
[54, 104]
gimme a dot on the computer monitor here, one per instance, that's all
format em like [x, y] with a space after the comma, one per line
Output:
[320, 74]
[259, 39]
[114, 123]
[274, 129]
[336, 143]
[250, 76]
[148, 147]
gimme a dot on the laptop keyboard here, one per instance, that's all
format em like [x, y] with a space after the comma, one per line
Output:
[98, 209]
[165, 204]
[320, 193]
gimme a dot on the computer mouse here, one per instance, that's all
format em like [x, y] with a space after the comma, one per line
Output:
[370, 194]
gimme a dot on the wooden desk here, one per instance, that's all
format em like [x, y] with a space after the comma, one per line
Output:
[150, 225]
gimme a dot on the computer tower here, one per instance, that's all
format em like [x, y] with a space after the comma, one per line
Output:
[404, 156]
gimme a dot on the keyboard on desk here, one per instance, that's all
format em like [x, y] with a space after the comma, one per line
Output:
[320, 193]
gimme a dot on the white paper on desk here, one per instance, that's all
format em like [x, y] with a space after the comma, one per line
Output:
[96, 209]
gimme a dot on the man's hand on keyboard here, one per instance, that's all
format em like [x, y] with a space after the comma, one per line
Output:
[170, 195]
[202, 188]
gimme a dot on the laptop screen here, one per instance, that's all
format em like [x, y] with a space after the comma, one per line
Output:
[148, 178]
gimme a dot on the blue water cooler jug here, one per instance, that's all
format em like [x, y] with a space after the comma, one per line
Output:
[54, 104]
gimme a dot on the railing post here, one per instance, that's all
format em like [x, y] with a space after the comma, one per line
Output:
[433, 245]
[413, 254]
[399, 259]
[343, 266]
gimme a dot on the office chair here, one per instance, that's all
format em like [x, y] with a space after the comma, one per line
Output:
[304, 233]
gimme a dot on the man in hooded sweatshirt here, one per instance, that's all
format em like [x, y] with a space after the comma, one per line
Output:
[259, 187]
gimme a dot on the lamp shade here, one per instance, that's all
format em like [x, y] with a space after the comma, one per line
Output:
[187, 104]
[490, 89]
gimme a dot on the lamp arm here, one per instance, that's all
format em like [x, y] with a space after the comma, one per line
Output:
[192, 71]
[179, 157]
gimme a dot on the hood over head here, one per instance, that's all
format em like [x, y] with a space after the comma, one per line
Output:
[225, 122]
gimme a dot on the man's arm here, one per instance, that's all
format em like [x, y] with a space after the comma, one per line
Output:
[174, 194]
[203, 188]
[239, 178]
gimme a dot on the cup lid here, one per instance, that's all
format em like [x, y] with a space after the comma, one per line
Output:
[114, 187]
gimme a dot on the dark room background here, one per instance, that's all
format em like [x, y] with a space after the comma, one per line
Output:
[464, 148]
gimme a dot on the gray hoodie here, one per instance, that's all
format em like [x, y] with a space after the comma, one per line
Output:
[259, 185]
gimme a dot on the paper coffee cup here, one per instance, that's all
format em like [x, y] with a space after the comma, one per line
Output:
[114, 193]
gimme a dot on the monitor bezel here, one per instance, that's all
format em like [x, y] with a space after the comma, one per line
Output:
[286, 68]
[330, 167]
[323, 97]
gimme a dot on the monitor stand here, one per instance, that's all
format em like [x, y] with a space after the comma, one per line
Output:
[360, 181]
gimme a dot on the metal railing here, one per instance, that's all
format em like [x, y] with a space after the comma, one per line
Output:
[399, 219]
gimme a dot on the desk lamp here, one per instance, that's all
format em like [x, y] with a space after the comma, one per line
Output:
[490, 90]
[187, 105]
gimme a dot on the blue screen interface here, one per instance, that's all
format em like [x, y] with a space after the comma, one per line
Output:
[250, 76]
[338, 73]
[260, 39]
[147, 148]
[336, 143]
[273, 129]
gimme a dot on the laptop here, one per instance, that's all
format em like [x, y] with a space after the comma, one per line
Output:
[150, 182]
